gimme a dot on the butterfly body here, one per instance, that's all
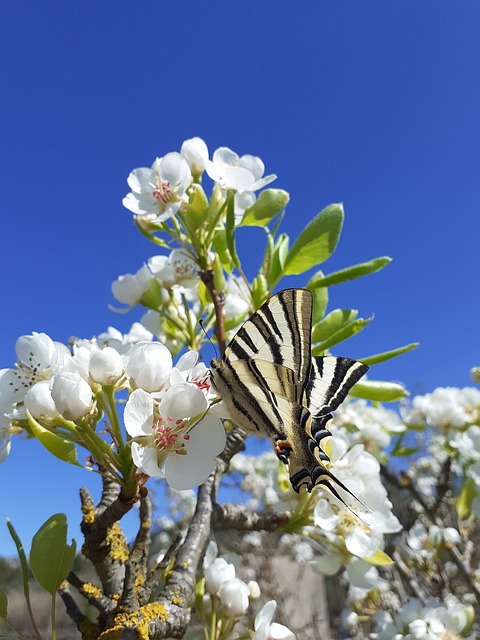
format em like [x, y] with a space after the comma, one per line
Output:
[271, 385]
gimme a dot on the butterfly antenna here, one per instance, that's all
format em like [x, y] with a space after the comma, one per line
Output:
[200, 322]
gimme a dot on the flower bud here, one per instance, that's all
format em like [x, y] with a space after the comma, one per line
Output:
[234, 597]
[254, 590]
[149, 365]
[71, 393]
[106, 366]
[195, 152]
[39, 401]
[475, 374]
[217, 573]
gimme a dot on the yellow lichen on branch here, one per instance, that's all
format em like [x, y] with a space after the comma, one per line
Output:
[138, 620]
[117, 543]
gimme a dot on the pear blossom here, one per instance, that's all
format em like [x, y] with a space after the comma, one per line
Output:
[265, 629]
[217, 574]
[148, 366]
[71, 393]
[163, 438]
[39, 401]
[158, 193]
[175, 269]
[124, 342]
[106, 366]
[39, 357]
[195, 152]
[234, 597]
[129, 288]
[242, 174]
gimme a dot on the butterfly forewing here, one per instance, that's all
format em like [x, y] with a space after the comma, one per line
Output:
[279, 332]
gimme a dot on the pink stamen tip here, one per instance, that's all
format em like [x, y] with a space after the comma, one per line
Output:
[186, 437]
[169, 418]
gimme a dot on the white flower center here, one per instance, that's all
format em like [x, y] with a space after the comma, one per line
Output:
[169, 434]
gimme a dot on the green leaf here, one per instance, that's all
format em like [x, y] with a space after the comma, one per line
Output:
[3, 604]
[379, 558]
[403, 451]
[378, 391]
[346, 331]
[465, 499]
[332, 323]
[197, 208]
[269, 203]
[60, 447]
[350, 273]
[21, 556]
[316, 242]
[320, 304]
[221, 249]
[230, 229]
[387, 355]
[50, 557]
[280, 252]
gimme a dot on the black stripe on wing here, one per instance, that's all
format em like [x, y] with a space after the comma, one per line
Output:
[329, 382]
[280, 331]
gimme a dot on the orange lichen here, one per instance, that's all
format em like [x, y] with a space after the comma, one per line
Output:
[88, 511]
[91, 590]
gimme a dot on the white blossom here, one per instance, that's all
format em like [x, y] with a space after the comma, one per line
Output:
[265, 629]
[164, 438]
[39, 357]
[148, 366]
[129, 288]
[71, 394]
[39, 401]
[158, 193]
[195, 152]
[233, 597]
[175, 269]
[106, 366]
[217, 574]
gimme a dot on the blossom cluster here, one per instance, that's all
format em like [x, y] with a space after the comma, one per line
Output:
[62, 390]
[429, 621]
[228, 598]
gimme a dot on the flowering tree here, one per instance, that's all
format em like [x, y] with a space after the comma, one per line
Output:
[141, 405]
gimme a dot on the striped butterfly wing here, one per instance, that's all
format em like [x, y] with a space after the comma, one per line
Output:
[269, 357]
[270, 383]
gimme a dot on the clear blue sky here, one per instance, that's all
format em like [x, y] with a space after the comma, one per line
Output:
[373, 103]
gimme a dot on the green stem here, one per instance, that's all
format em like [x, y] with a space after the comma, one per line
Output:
[213, 225]
[109, 392]
[54, 635]
[213, 622]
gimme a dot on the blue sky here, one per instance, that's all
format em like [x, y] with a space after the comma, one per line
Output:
[373, 103]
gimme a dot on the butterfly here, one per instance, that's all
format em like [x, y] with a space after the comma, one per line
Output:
[271, 384]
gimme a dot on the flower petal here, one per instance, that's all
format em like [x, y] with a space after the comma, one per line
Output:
[146, 460]
[187, 472]
[183, 401]
[138, 414]
[207, 437]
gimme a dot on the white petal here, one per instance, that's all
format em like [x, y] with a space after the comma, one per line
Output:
[327, 565]
[187, 472]
[140, 179]
[145, 459]
[207, 437]
[187, 361]
[324, 516]
[223, 156]
[175, 170]
[38, 347]
[264, 616]
[183, 401]
[360, 543]
[259, 184]
[362, 574]
[237, 178]
[138, 414]
[254, 165]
